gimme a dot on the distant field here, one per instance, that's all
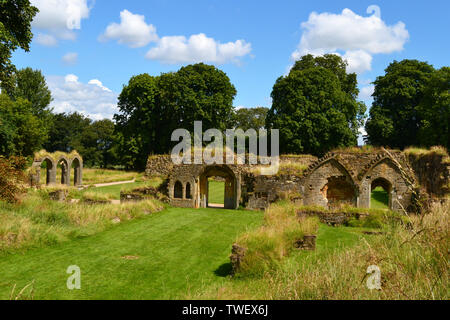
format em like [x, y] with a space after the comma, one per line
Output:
[96, 176]
[216, 192]
[379, 199]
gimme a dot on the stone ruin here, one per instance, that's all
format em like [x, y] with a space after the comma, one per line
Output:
[337, 179]
[52, 161]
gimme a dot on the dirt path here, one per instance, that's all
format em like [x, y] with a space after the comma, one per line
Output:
[113, 183]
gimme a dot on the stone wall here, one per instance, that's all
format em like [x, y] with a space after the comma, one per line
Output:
[433, 172]
[338, 178]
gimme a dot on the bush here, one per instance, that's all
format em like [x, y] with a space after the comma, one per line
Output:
[12, 178]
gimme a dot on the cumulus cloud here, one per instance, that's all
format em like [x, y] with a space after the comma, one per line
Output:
[365, 94]
[59, 18]
[70, 58]
[92, 99]
[132, 31]
[46, 40]
[198, 48]
[358, 37]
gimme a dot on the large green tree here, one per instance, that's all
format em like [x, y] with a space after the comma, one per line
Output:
[151, 108]
[31, 85]
[23, 132]
[394, 118]
[15, 32]
[434, 111]
[315, 106]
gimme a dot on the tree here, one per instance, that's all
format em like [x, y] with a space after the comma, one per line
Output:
[31, 85]
[25, 132]
[15, 32]
[65, 131]
[250, 118]
[315, 106]
[151, 108]
[434, 111]
[394, 118]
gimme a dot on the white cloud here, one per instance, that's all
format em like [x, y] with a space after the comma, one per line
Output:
[357, 36]
[46, 40]
[60, 17]
[92, 99]
[132, 31]
[99, 84]
[198, 48]
[365, 94]
[70, 58]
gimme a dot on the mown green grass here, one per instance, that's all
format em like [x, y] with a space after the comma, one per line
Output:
[179, 250]
[216, 192]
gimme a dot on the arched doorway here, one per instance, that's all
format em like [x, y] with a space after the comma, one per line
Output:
[63, 169]
[48, 168]
[380, 194]
[339, 192]
[76, 165]
[225, 177]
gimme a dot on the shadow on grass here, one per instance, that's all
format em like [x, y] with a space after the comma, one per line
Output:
[224, 270]
[381, 196]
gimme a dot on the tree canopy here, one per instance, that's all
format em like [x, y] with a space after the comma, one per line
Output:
[315, 106]
[250, 118]
[151, 108]
[394, 118]
[15, 32]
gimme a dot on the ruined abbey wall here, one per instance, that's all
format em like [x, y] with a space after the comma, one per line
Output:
[337, 179]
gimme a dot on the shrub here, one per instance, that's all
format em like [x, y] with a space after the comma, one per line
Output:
[12, 178]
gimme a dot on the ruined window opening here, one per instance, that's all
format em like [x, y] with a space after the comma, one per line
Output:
[188, 191]
[178, 190]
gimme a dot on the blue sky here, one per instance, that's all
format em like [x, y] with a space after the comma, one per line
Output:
[89, 49]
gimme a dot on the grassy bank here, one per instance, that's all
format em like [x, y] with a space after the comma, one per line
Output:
[413, 264]
[165, 255]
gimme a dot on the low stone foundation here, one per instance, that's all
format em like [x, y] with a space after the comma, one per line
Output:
[237, 254]
[307, 243]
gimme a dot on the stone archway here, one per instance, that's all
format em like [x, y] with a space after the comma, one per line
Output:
[387, 187]
[330, 185]
[231, 200]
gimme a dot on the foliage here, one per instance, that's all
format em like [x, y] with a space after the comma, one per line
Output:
[21, 133]
[151, 108]
[395, 116]
[315, 106]
[11, 178]
[434, 109]
[250, 118]
[94, 140]
[15, 32]
[31, 85]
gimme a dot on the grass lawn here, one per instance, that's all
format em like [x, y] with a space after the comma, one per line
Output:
[113, 192]
[95, 176]
[179, 251]
[216, 192]
[379, 199]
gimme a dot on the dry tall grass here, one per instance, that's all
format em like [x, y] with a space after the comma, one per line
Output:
[413, 263]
